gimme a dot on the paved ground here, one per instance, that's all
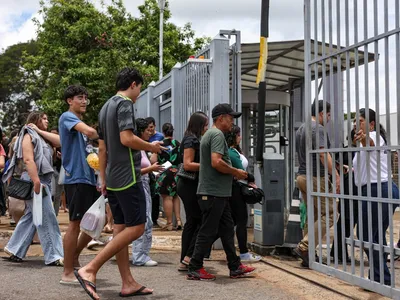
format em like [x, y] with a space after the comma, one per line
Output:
[33, 280]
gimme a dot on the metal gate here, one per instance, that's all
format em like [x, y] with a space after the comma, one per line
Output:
[355, 64]
[198, 84]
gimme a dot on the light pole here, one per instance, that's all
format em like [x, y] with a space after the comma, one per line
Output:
[161, 5]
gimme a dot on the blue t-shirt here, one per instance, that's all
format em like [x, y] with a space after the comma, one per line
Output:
[73, 151]
[158, 136]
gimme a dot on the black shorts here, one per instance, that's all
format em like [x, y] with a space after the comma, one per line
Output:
[80, 197]
[128, 206]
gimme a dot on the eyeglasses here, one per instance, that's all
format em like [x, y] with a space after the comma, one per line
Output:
[82, 99]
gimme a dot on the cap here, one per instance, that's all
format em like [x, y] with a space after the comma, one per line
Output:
[224, 109]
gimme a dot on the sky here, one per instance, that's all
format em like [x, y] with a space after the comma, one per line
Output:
[206, 16]
[209, 16]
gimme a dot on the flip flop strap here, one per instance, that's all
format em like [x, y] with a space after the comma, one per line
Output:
[91, 284]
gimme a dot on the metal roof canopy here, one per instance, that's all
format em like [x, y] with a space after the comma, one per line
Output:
[286, 61]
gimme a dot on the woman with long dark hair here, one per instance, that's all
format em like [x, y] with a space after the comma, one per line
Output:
[361, 175]
[187, 188]
[166, 183]
[33, 147]
[238, 206]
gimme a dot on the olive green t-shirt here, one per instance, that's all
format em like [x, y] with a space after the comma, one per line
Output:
[212, 182]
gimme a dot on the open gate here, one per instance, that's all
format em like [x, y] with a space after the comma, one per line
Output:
[354, 65]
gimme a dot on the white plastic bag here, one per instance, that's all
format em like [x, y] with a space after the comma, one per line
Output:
[94, 219]
[61, 176]
[37, 207]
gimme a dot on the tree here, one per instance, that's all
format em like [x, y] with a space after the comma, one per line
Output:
[352, 115]
[79, 44]
[15, 102]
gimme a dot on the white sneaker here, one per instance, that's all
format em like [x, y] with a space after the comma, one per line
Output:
[150, 263]
[94, 243]
[250, 257]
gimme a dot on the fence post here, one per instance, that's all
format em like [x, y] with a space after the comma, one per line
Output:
[219, 81]
[219, 75]
[176, 103]
[153, 104]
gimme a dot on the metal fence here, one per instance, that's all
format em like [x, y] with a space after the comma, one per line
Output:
[197, 85]
[353, 28]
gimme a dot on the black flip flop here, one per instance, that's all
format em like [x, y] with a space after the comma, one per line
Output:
[13, 258]
[139, 292]
[83, 284]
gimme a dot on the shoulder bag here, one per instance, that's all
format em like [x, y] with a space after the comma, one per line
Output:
[18, 188]
[251, 195]
[186, 174]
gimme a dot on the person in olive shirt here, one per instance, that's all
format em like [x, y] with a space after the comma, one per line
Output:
[214, 190]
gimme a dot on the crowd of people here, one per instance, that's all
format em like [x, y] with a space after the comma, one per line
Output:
[370, 174]
[138, 166]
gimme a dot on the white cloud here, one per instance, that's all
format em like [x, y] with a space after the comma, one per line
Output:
[16, 21]
[207, 18]
[25, 32]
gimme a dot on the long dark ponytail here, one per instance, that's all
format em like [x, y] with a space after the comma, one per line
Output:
[372, 117]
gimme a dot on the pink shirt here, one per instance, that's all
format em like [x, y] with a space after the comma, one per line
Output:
[2, 152]
[145, 162]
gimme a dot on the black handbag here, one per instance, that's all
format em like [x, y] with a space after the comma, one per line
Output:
[20, 189]
[185, 174]
[251, 195]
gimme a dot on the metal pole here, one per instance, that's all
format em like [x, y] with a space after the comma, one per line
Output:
[161, 5]
[262, 86]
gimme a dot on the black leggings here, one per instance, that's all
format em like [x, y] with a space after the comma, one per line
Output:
[240, 217]
[187, 191]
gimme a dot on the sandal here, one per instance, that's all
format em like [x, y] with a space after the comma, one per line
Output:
[85, 283]
[14, 259]
[183, 268]
[178, 225]
[167, 227]
[57, 263]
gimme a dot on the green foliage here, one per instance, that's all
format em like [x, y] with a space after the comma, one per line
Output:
[79, 44]
[15, 102]
[352, 115]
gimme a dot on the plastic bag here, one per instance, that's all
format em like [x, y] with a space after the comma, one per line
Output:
[37, 207]
[61, 177]
[94, 219]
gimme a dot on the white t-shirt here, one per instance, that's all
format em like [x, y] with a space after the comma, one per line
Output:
[360, 163]
[243, 159]
[245, 162]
